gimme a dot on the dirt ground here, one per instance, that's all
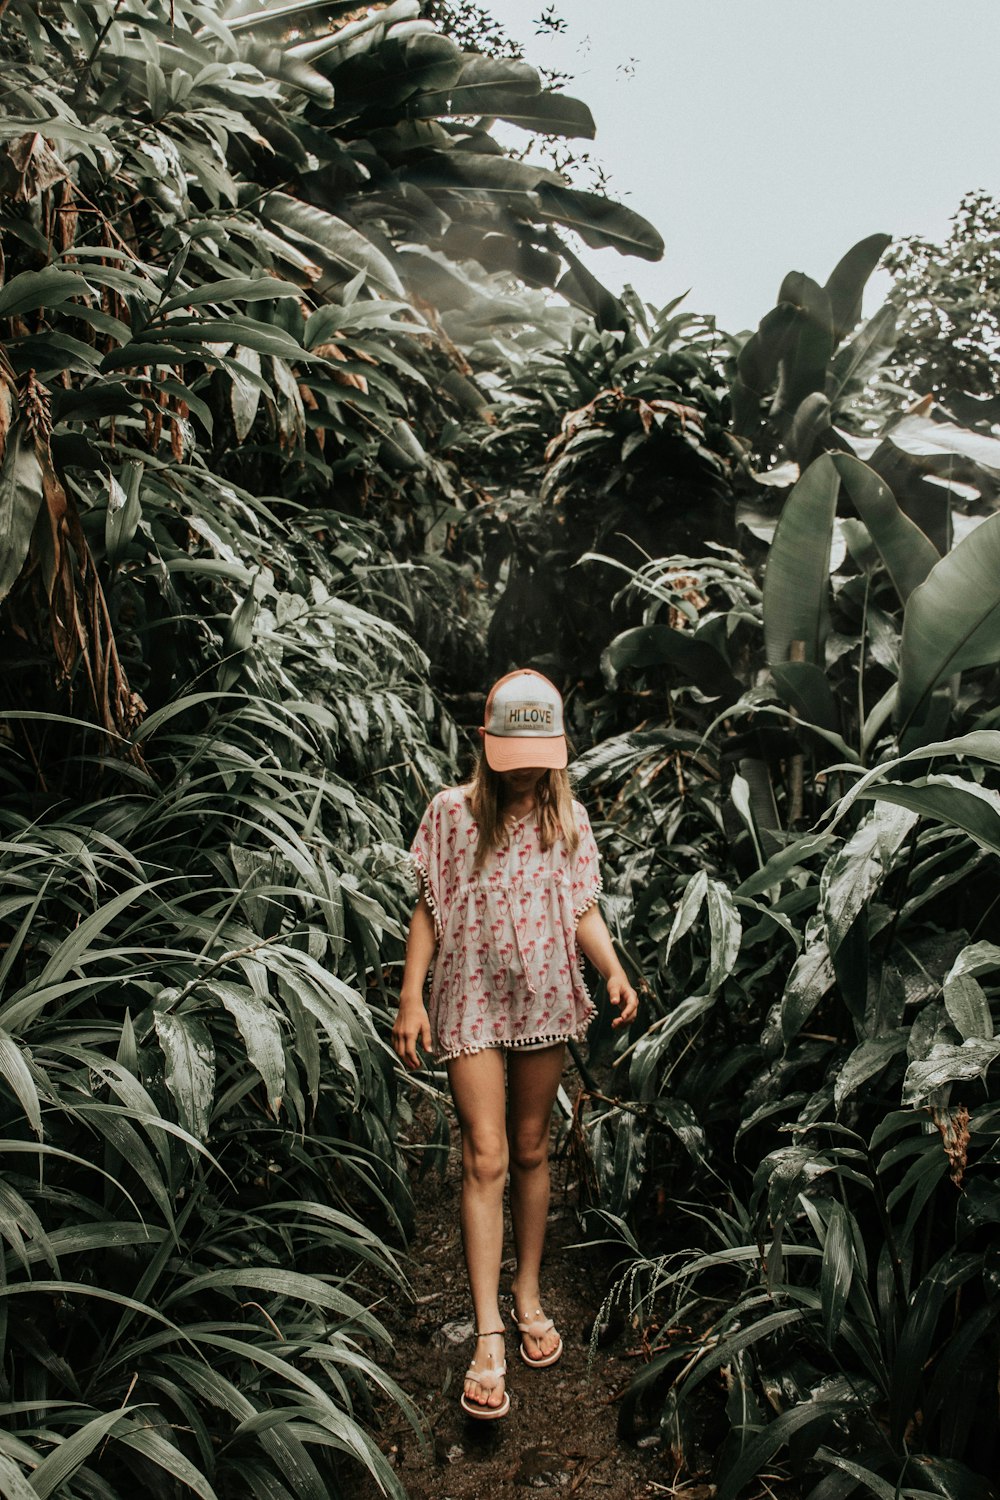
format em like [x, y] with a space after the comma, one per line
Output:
[560, 1437]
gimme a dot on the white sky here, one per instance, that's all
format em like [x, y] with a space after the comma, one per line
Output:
[762, 136]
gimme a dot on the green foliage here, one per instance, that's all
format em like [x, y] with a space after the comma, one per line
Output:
[617, 440]
[286, 407]
[199, 1113]
[808, 359]
[226, 393]
[945, 298]
[799, 829]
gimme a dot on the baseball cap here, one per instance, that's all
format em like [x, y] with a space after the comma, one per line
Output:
[524, 723]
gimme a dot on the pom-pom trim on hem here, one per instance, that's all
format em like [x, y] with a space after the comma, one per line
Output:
[548, 1039]
[424, 883]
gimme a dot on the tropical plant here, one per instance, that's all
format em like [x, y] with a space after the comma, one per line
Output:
[225, 399]
[612, 439]
[945, 299]
[796, 837]
[198, 1107]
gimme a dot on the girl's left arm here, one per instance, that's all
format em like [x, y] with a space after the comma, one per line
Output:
[594, 939]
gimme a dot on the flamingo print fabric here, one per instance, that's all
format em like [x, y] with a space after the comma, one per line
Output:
[506, 969]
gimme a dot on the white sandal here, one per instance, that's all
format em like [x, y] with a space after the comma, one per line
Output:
[536, 1328]
[489, 1380]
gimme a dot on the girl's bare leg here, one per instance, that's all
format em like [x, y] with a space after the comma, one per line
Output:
[477, 1086]
[532, 1081]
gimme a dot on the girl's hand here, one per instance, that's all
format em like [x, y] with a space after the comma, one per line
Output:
[620, 992]
[412, 1025]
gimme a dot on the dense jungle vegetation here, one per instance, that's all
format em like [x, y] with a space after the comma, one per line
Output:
[312, 419]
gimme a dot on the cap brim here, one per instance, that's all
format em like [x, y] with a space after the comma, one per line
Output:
[508, 753]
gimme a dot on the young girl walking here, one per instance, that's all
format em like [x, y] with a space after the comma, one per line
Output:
[509, 881]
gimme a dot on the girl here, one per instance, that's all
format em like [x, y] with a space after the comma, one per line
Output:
[509, 882]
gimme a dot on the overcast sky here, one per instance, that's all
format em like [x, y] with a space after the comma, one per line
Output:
[762, 136]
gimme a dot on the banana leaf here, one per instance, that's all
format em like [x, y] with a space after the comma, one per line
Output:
[952, 621]
[796, 581]
[907, 553]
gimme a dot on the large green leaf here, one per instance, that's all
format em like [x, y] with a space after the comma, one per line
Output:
[919, 1335]
[935, 442]
[13, 1485]
[314, 1291]
[510, 90]
[866, 1062]
[725, 931]
[846, 283]
[230, 289]
[354, 36]
[281, 13]
[190, 1068]
[45, 289]
[400, 65]
[64, 1460]
[660, 645]
[155, 1447]
[807, 348]
[837, 1270]
[780, 865]
[948, 1063]
[551, 113]
[715, 1354]
[797, 579]
[976, 958]
[907, 553]
[757, 365]
[952, 621]
[261, 1033]
[600, 222]
[858, 1474]
[480, 80]
[581, 288]
[809, 1420]
[20, 502]
[869, 348]
[967, 1006]
[338, 246]
[980, 744]
[688, 908]
[806, 688]
[499, 181]
[17, 1076]
[245, 392]
[75, 946]
[811, 978]
[856, 871]
[948, 799]
[124, 511]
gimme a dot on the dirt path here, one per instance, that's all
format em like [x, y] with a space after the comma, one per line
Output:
[560, 1436]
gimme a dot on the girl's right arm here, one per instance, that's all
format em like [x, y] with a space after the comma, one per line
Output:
[412, 1024]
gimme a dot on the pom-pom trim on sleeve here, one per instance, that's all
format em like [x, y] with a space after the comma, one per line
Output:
[588, 901]
[422, 878]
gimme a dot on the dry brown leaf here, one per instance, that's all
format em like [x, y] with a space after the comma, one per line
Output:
[36, 166]
[344, 377]
[954, 1127]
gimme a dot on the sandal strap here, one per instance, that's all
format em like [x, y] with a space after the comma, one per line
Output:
[535, 1328]
[493, 1374]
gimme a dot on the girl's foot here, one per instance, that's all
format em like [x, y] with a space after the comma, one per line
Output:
[485, 1394]
[540, 1343]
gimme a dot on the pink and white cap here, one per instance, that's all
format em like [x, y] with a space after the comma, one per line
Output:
[524, 723]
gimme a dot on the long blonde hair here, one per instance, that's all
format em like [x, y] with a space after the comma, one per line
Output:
[553, 799]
